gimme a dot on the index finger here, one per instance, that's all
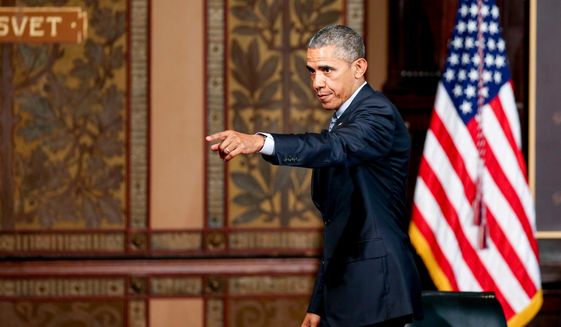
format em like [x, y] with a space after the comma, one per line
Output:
[217, 136]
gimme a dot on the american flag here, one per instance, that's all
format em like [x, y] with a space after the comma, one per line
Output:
[473, 218]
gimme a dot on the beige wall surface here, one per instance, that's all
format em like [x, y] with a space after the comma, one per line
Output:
[177, 110]
[176, 313]
[177, 106]
[377, 42]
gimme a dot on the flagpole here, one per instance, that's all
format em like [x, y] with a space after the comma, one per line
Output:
[478, 203]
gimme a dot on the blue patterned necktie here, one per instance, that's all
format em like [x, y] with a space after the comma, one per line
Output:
[333, 121]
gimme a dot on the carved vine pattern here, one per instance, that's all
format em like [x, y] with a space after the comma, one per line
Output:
[50, 314]
[271, 92]
[63, 112]
[267, 312]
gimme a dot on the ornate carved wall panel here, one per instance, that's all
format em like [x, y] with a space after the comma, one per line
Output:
[235, 292]
[73, 146]
[51, 313]
[257, 81]
[73, 171]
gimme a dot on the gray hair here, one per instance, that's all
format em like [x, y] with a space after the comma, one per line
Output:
[349, 44]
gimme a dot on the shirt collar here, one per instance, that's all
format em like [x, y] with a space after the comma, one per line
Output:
[347, 103]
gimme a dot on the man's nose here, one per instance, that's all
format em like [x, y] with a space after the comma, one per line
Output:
[318, 81]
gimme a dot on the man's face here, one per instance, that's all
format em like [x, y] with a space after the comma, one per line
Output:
[333, 79]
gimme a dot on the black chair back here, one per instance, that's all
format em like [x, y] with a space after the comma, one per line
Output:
[465, 309]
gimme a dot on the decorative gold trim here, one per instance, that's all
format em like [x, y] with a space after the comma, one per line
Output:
[270, 285]
[214, 240]
[215, 313]
[548, 234]
[215, 110]
[176, 241]
[11, 243]
[75, 287]
[139, 113]
[174, 286]
[532, 99]
[286, 240]
[532, 110]
[355, 15]
[19, 9]
[137, 313]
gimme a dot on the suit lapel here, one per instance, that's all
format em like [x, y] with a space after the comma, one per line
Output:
[364, 93]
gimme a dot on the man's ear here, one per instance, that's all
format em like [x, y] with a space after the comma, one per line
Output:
[360, 67]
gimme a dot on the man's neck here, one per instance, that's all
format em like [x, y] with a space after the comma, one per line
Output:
[348, 102]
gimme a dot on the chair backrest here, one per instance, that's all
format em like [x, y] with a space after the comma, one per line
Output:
[466, 309]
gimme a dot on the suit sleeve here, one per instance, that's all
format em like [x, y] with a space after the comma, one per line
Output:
[316, 300]
[367, 135]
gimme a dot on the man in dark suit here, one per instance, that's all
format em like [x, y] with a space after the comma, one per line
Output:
[367, 275]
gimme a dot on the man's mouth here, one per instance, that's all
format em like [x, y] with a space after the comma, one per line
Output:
[323, 96]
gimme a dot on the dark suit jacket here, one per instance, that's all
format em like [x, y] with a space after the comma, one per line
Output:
[367, 272]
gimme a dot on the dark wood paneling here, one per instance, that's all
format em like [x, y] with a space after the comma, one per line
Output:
[548, 116]
[418, 39]
[418, 36]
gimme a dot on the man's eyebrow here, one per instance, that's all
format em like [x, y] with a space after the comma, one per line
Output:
[321, 67]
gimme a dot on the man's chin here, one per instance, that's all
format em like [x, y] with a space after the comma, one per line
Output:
[328, 106]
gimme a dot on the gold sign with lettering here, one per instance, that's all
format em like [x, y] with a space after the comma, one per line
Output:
[43, 24]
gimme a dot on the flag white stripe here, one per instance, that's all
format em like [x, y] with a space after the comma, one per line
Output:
[457, 131]
[492, 260]
[506, 96]
[505, 189]
[511, 228]
[428, 207]
[507, 161]
[451, 183]
[504, 278]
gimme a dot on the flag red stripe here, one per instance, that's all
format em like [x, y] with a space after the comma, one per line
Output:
[445, 140]
[510, 195]
[498, 109]
[510, 256]
[437, 253]
[472, 129]
[454, 164]
[506, 188]
[470, 256]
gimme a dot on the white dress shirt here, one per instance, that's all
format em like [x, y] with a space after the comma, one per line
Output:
[269, 145]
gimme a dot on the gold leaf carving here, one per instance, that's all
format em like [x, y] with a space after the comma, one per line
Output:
[137, 313]
[275, 240]
[46, 287]
[178, 241]
[214, 313]
[49, 313]
[190, 286]
[268, 285]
